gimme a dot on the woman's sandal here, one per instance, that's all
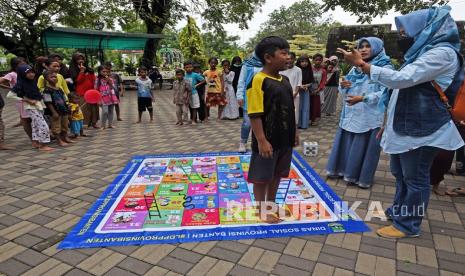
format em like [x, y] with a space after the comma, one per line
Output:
[456, 192]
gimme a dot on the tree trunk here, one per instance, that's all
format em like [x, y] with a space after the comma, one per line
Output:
[151, 46]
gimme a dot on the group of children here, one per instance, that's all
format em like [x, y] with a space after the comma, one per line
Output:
[48, 109]
[196, 92]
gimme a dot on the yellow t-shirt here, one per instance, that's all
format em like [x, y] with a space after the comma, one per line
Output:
[76, 113]
[255, 94]
[213, 81]
[60, 84]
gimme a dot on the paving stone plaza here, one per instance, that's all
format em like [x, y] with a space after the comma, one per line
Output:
[43, 195]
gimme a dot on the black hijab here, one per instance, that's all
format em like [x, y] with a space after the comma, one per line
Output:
[237, 71]
[26, 88]
[307, 72]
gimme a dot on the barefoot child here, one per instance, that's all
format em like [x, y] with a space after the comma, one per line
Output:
[182, 90]
[26, 89]
[271, 110]
[196, 80]
[77, 117]
[144, 94]
[55, 100]
[104, 84]
[215, 92]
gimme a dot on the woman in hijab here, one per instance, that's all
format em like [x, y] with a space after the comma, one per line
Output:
[250, 68]
[318, 86]
[26, 89]
[331, 90]
[418, 122]
[355, 152]
[305, 65]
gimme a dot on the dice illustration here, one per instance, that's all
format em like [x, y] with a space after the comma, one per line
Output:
[310, 149]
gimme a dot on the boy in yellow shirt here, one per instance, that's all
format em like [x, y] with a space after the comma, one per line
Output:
[53, 66]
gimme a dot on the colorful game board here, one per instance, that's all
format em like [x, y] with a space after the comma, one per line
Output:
[206, 196]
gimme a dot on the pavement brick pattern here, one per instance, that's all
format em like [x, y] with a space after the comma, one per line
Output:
[42, 196]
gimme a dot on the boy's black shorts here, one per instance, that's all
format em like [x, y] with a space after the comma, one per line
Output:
[144, 104]
[263, 170]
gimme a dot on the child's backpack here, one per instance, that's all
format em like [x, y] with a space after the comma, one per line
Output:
[454, 96]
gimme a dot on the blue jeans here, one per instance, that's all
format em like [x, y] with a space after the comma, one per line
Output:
[412, 172]
[304, 110]
[245, 128]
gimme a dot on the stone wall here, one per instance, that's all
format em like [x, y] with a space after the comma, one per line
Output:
[382, 31]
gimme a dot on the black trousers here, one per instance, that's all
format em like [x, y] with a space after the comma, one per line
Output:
[202, 110]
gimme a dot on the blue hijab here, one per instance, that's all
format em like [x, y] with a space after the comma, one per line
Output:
[378, 57]
[430, 28]
[253, 61]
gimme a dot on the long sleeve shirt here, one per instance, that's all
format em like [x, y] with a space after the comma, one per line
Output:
[364, 116]
[243, 82]
[439, 64]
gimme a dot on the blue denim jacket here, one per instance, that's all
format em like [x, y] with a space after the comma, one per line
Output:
[439, 64]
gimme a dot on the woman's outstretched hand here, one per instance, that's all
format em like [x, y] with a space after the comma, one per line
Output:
[352, 57]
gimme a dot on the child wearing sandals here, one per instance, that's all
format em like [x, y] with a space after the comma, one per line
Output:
[55, 100]
[26, 89]
[271, 110]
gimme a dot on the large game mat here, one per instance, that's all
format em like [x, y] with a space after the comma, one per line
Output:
[175, 198]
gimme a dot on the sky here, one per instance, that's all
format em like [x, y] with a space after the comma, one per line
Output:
[458, 13]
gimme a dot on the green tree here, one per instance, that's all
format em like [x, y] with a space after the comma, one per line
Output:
[191, 42]
[221, 45]
[23, 21]
[301, 18]
[156, 14]
[367, 10]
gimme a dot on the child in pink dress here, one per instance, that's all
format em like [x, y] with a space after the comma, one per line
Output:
[104, 84]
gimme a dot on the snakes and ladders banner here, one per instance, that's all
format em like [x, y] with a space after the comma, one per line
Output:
[174, 198]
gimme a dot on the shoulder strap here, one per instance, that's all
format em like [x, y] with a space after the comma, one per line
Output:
[441, 93]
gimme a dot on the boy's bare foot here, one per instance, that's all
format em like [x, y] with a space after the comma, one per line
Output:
[270, 218]
[45, 148]
[110, 126]
[102, 128]
[35, 145]
[138, 122]
[6, 147]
